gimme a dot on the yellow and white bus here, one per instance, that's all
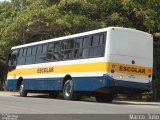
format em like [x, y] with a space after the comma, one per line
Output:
[100, 62]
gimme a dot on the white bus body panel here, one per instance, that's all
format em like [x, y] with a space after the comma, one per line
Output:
[125, 45]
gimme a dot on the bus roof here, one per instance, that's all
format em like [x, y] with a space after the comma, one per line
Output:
[72, 36]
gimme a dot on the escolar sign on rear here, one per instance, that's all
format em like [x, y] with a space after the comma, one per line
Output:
[132, 69]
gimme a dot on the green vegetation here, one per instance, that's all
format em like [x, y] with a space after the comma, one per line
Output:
[25, 21]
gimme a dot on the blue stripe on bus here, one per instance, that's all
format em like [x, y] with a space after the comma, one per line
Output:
[80, 84]
[12, 84]
[42, 84]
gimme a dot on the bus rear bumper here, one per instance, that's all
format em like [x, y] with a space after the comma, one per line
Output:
[128, 85]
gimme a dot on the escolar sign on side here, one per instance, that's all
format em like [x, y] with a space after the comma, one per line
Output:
[45, 70]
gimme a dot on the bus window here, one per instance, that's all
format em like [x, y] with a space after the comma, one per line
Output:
[12, 60]
[64, 45]
[96, 51]
[85, 53]
[24, 52]
[77, 53]
[56, 56]
[68, 54]
[71, 44]
[86, 42]
[95, 40]
[97, 48]
[102, 40]
[21, 52]
[44, 50]
[50, 47]
[49, 52]
[30, 57]
[28, 60]
[34, 50]
[57, 46]
[29, 51]
[67, 49]
[21, 56]
[39, 49]
[41, 53]
[78, 43]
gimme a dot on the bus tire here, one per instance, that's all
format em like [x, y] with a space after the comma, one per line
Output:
[68, 91]
[22, 91]
[105, 98]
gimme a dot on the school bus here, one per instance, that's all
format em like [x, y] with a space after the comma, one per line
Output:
[101, 62]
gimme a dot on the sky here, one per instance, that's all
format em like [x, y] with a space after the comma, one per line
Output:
[4, 0]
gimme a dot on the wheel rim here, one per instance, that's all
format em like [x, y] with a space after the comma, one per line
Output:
[68, 89]
[21, 89]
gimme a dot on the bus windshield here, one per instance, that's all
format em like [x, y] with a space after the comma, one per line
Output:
[12, 60]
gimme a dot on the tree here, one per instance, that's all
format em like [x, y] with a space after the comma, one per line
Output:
[3, 69]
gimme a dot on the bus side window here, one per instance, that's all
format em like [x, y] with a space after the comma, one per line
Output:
[71, 44]
[22, 56]
[28, 61]
[97, 48]
[56, 51]
[78, 45]
[44, 50]
[67, 49]
[85, 53]
[57, 46]
[50, 47]
[96, 51]
[77, 53]
[39, 49]
[49, 52]
[95, 40]
[64, 45]
[86, 42]
[30, 57]
[34, 51]
[102, 39]
[34, 48]
[86, 45]
[21, 52]
[102, 43]
[29, 51]
[38, 55]
[24, 52]
[42, 55]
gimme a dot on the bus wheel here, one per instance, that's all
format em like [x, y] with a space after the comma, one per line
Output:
[22, 92]
[104, 97]
[68, 92]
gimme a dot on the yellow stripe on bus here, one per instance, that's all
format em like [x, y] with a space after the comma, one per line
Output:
[86, 67]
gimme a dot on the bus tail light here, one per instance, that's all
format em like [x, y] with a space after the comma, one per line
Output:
[149, 75]
[133, 61]
[112, 71]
